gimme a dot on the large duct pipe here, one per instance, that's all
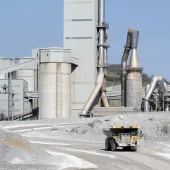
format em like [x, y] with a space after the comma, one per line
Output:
[123, 66]
[101, 45]
[153, 84]
[147, 88]
[93, 94]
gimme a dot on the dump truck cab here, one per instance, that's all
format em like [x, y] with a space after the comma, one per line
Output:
[122, 137]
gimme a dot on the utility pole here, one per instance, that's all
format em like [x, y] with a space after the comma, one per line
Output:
[10, 97]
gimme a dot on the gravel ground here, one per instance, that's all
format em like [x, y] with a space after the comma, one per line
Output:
[155, 128]
[17, 153]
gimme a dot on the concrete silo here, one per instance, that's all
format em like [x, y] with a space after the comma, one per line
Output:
[55, 83]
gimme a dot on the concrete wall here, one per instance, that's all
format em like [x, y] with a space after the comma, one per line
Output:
[20, 104]
[114, 103]
[80, 35]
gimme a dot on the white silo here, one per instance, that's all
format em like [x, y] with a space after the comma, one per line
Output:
[4, 63]
[55, 83]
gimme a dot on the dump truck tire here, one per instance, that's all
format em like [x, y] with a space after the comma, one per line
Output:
[134, 148]
[113, 145]
[107, 144]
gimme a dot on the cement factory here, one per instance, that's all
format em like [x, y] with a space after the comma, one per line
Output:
[70, 81]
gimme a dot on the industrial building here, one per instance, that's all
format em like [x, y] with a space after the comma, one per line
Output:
[70, 81]
[81, 36]
[20, 103]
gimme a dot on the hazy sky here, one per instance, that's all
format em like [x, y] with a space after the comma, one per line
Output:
[27, 24]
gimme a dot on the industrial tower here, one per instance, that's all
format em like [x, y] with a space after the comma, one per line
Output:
[80, 35]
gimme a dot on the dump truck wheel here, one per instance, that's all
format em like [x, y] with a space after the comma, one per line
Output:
[113, 145]
[134, 148]
[107, 144]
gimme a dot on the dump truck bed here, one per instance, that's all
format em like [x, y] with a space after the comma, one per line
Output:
[115, 130]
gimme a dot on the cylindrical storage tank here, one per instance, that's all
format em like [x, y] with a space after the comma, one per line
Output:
[26, 74]
[134, 90]
[4, 63]
[54, 90]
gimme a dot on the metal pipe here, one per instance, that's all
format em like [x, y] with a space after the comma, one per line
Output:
[103, 94]
[101, 33]
[93, 94]
[147, 88]
[105, 63]
[150, 91]
[123, 66]
[101, 56]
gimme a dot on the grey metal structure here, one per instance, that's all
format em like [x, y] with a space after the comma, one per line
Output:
[155, 95]
[134, 77]
[10, 97]
[55, 83]
[20, 104]
[81, 36]
[102, 49]
[6, 62]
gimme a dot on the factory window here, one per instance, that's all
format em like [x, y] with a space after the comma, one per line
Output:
[70, 38]
[81, 20]
[79, 2]
[78, 20]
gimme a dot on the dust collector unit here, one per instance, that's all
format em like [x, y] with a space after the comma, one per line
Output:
[125, 56]
[134, 77]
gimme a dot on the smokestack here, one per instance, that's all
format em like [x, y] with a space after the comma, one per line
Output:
[134, 77]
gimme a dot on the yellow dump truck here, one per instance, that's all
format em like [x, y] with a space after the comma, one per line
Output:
[122, 138]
